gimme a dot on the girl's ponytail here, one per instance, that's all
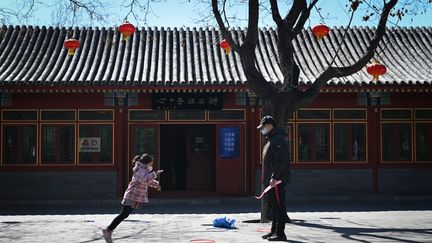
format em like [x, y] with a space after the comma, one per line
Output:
[136, 159]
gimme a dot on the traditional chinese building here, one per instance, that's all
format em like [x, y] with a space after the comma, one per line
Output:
[71, 124]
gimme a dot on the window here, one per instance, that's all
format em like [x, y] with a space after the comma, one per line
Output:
[351, 114]
[144, 141]
[313, 143]
[19, 144]
[58, 115]
[423, 114]
[19, 115]
[147, 115]
[95, 144]
[289, 128]
[424, 142]
[396, 114]
[234, 115]
[96, 115]
[58, 144]
[349, 142]
[313, 114]
[396, 142]
[187, 115]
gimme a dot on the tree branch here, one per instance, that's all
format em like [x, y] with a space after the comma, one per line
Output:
[275, 13]
[252, 31]
[297, 8]
[335, 72]
[90, 8]
[303, 18]
[224, 31]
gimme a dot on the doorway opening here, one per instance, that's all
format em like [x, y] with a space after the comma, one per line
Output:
[187, 156]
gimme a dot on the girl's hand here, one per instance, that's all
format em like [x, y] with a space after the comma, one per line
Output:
[159, 188]
[159, 172]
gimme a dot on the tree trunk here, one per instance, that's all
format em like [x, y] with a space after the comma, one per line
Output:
[276, 107]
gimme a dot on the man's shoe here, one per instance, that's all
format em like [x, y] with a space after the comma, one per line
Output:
[277, 238]
[266, 236]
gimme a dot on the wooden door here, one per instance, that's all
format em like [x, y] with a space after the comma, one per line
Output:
[230, 159]
[200, 158]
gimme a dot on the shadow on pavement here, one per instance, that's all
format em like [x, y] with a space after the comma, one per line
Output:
[352, 233]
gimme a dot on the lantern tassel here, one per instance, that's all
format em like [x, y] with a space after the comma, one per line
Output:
[227, 51]
[71, 52]
[125, 36]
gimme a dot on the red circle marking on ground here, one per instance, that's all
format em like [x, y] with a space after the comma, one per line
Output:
[263, 230]
[202, 241]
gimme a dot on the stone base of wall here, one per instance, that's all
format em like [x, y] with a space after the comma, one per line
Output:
[405, 181]
[355, 182]
[88, 185]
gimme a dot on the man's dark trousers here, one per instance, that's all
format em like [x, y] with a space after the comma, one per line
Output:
[276, 199]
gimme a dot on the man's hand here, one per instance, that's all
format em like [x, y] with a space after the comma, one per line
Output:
[272, 182]
[159, 172]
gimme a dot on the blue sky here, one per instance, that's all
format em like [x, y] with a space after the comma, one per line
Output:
[183, 13]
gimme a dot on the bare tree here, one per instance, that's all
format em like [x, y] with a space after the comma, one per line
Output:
[72, 12]
[281, 101]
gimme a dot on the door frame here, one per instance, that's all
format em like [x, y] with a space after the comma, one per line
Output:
[243, 145]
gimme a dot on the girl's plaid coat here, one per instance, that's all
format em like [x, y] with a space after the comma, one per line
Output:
[141, 179]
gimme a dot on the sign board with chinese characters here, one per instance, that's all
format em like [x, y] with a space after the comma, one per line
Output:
[89, 144]
[187, 101]
[229, 142]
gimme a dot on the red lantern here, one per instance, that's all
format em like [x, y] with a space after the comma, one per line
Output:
[226, 46]
[376, 69]
[127, 29]
[71, 44]
[320, 30]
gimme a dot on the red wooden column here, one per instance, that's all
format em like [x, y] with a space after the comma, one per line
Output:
[374, 144]
[120, 146]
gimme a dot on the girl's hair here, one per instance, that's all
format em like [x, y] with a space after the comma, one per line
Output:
[143, 158]
[136, 159]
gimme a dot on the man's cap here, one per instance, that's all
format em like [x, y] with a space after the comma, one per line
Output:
[266, 120]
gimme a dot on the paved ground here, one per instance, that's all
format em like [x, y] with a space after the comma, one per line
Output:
[334, 221]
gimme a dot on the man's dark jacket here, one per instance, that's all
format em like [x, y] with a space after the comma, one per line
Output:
[275, 157]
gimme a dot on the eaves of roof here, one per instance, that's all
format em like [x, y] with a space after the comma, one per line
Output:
[191, 58]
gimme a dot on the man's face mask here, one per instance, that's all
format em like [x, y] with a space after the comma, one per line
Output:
[263, 130]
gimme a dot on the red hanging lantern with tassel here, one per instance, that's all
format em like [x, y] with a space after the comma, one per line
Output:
[71, 44]
[376, 69]
[226, 46]
[127, 29]
[320, 31]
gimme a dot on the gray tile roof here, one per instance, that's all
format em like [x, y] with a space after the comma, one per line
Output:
[192, 57]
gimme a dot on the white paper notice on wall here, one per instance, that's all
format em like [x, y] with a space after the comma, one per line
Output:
[89, 144]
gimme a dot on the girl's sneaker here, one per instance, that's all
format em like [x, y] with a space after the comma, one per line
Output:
[107, 235]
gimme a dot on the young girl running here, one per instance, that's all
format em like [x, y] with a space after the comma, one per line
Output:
[136, 193]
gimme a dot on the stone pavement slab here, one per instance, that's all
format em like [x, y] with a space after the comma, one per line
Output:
[309, 226]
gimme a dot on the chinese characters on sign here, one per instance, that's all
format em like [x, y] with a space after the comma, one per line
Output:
[229, 142]
[196, 101]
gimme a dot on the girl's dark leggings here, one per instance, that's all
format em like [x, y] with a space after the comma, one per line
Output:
[126, 210]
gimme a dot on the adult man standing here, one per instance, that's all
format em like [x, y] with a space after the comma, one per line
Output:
[276, 169]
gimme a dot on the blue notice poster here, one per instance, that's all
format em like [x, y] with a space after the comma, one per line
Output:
[229, 142]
